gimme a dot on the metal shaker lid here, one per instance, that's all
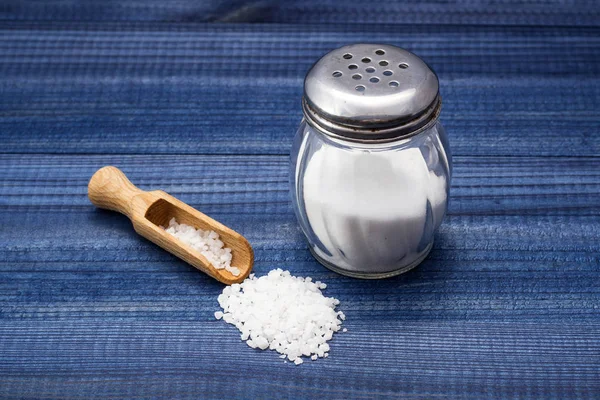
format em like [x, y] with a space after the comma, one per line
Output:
[371, 93]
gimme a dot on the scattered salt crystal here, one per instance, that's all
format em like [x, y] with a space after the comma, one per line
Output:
[284, 313]
[344, 330]
[205, 242]
[262, 343]
[218, 315]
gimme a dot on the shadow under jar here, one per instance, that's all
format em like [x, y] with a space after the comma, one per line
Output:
[370, 164]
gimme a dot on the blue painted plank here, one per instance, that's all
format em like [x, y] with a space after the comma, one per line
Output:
[494, 259]
[258, 185]
[83, 89]
[205, 359]
[523, 117]
[503, 12]
[259, 51]
[494, 311]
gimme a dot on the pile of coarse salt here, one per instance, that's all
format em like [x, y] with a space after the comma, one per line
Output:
[205, 242]
[282, 312]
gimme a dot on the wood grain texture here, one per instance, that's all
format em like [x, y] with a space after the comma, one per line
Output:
[110, 189]
[506, 305]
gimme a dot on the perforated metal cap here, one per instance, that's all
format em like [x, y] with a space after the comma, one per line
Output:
[371, 93]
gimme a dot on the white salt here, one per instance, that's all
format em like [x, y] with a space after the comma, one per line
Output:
[369, 208]
[207, 243]
[282, 312]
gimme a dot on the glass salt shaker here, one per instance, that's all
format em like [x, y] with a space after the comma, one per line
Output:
[371, 167]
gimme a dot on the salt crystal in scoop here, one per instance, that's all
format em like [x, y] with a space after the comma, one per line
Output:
[207, 243]
[282, 312]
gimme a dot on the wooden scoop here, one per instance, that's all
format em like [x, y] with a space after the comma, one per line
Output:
[109, 188]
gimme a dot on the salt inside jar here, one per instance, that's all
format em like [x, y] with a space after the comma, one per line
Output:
[370, 165]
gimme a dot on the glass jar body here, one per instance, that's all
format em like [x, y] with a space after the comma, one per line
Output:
[370, 210]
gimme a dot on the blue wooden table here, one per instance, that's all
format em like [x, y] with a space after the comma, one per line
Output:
[202, 99]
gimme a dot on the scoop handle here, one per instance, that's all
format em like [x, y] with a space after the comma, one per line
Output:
[109, 188]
